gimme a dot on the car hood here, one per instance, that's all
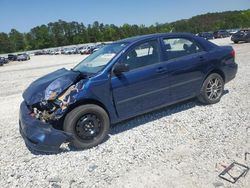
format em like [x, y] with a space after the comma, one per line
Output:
[36, 90]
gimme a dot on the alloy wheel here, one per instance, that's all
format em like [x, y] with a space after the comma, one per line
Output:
[214, 89]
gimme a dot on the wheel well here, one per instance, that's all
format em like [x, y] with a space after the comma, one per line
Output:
[58, 124]
[87, 101]
[218, 71]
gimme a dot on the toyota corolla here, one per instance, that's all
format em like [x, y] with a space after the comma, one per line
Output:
[121, 80]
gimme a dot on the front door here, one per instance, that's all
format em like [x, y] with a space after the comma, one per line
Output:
[145, 86]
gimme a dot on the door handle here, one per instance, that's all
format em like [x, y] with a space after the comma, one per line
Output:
[161, 70]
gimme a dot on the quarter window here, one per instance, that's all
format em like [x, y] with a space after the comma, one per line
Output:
[179, 47]
[142, 55]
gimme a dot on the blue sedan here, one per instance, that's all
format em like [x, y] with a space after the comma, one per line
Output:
[121, 80]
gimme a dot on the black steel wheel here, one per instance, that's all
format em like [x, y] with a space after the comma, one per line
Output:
[89, 125]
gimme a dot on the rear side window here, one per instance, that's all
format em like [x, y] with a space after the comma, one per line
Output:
[179, 47]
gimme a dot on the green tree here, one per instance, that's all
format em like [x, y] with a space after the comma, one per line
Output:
[39, 37]
[17, 40]
[63, 33]
[5, 43]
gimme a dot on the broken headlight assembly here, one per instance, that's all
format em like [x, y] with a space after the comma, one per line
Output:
[57, 98]
[56, 88]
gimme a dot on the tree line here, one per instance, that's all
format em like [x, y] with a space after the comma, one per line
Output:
[62, 33]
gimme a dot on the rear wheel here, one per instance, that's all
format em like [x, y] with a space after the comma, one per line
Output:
[89, 125]
[212, 89]
[236, 42]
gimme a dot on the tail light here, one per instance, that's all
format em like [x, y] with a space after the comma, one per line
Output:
[232, 53]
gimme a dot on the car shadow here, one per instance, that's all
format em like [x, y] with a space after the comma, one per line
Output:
[156, 114]
[152, 116]
[137, 121]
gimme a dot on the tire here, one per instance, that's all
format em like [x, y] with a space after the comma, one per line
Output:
[81, 118]
[212, 89]
[236, 42]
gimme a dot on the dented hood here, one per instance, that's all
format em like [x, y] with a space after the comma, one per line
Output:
[36, 91]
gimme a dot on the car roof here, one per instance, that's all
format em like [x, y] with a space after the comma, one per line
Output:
[149, 36]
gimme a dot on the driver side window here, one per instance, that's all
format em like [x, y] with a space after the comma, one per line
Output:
[142, 55]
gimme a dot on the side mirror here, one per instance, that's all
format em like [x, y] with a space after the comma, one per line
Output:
[119, 68]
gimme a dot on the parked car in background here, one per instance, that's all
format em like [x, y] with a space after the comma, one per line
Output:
[1, 62]
[119, 82]
[39, 52]
[241, 36]
[12, 57]
[99, 46]
[4, 60]
[83, 49]
[232, 31]
[62, 51]
[57, 52]
[87, 50]
[221, 34]
[206, 35]
[54, 52]
[23, 57]
[69, 51]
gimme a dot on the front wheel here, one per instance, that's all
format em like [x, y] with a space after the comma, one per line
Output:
[89, 124]
[212, 89]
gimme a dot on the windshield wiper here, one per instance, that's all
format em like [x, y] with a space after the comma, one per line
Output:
[75, 71]
[82, 74]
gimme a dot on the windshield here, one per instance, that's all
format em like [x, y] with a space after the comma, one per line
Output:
[97, 61]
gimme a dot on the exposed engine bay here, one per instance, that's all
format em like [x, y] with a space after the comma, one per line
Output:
[49, 97]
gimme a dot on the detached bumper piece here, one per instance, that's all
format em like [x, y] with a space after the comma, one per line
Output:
[40, 136]
[234, 172]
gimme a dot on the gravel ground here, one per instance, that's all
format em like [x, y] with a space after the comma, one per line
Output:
[184, 145]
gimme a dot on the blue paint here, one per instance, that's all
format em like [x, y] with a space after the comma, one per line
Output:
[134, 92]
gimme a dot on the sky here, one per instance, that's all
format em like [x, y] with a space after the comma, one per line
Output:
[26, 14]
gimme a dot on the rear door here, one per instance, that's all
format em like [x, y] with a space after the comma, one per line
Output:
[185, 64]
[145, 86]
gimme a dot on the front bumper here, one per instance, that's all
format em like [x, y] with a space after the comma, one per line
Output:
[40, 136]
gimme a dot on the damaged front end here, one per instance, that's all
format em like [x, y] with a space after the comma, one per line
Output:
[46, 101]
[56, 100]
